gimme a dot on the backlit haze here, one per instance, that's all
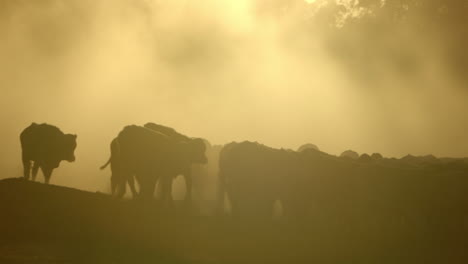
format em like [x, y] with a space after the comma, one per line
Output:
[282, 72]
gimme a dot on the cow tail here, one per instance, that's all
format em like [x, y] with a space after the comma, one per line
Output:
[107, 164]
[110, 158]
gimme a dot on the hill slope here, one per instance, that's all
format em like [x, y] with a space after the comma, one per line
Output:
[52, 224]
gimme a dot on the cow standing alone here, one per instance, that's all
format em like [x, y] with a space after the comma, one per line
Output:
[46, 146]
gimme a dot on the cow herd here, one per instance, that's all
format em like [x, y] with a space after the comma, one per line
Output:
[254, 177]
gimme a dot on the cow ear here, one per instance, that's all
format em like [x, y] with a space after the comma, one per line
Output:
[75, 136]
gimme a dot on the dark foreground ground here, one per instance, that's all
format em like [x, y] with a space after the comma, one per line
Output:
[51, 224]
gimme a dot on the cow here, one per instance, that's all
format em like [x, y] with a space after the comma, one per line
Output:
[186, 169]
[254, 177]
[116, 173]
[46, 146]
[307, 146]
[149, 156]
[350, 154]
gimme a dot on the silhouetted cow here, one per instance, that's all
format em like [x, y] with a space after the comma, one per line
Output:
[380, 191]
[307, 146]
[149, 156]
[46, 146]
[350, 154]
[185, 169]
[116, 172]
[254, 176]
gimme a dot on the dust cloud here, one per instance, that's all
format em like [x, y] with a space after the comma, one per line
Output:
[283, 72]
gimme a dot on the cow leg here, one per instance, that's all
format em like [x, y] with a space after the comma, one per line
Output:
[113, 184]
[166, 188]
[47, 171]
[121, 189]
[26, 167]
[35, 169]
[143, 186]
[159, 189]
[147, 185]
[234, 204]
[221, 193]
[188, 186]
[152, 186]
[131, 183]
[120, 185]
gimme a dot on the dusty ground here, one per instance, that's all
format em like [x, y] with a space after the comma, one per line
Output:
[51, 224]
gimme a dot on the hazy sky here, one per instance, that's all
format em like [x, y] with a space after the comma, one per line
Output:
[219, 69]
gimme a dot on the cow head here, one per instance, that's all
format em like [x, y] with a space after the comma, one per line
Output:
[196, 149]
[69, 146]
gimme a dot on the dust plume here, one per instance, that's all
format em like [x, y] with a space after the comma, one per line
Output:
[361, 75]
